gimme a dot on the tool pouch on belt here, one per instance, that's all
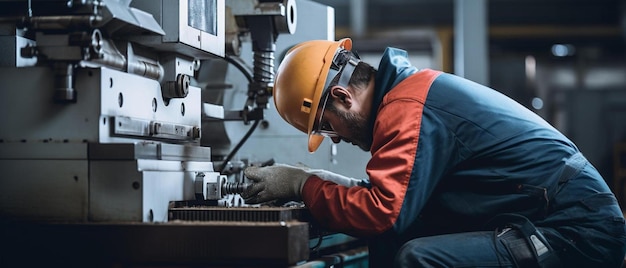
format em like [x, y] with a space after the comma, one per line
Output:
[525, 243]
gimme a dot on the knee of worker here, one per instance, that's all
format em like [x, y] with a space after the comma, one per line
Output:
[415, 253]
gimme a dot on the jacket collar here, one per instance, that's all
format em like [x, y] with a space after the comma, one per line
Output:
[394, 67]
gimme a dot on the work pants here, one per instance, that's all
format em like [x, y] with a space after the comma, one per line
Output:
[584, 227]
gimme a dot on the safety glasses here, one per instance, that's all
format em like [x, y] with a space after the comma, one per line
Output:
[343, 65]
[320, 126]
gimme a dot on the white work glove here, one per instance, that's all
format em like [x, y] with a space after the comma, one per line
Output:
[334, 177]
[280, 182]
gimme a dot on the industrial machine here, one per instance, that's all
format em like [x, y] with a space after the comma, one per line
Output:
[117, 130]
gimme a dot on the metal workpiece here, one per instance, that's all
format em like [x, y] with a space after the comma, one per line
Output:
[214, 186]
[235, 187]
[208, 186]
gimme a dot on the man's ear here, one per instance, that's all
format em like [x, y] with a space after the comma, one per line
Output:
[342, 95]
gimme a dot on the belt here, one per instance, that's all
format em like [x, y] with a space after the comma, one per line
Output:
[527, 245]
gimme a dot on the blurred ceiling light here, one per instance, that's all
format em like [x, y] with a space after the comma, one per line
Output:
[537, 103]
[563, 50]
[531, 67]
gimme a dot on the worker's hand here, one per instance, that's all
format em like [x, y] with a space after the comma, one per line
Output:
[274, 182]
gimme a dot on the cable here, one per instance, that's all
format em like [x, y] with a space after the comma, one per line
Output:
[318, 245]
[241, 66]
[238, 146]
[247, 72]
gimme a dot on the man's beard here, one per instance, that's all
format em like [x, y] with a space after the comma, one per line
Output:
[357, 126]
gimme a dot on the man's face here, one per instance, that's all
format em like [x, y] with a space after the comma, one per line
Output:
[350, 125]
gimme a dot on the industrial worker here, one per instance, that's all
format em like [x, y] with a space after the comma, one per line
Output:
[460, 175]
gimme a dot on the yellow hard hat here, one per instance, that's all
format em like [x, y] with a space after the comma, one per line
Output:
[301, 79]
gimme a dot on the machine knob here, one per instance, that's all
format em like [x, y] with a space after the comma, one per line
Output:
[178, 88]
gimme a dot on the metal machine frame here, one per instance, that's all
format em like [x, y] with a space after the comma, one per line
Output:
[106, 105]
